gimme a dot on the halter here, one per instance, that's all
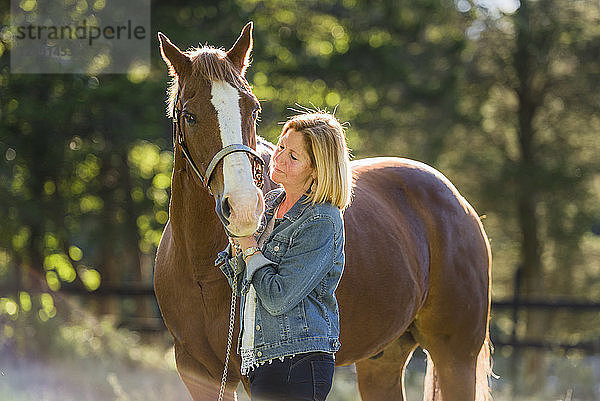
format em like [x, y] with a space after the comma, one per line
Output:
[179, 140]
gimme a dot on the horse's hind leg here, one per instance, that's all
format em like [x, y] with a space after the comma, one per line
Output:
[452, 366]
[382, 377]
[452, 376]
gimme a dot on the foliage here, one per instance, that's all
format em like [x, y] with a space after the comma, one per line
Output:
[88, 158]
[534, 147]
[556, 161]
[503, 101]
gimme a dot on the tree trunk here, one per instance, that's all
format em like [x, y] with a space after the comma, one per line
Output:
[527, 200]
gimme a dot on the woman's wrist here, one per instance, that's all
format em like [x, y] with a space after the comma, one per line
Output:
[250, 251]
[247, 242]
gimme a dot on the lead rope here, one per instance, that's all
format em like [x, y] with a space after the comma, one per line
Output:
[236, 251]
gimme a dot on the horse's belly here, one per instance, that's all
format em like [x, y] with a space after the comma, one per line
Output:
[375, 313]
[385, 280]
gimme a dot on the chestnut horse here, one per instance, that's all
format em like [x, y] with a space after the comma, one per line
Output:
[417, 258]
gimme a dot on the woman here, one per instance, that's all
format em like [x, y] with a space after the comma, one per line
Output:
[288, 271]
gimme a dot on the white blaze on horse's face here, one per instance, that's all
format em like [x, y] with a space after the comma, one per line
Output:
[242, 201]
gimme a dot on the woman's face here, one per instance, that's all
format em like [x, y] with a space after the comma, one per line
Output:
[290, 165]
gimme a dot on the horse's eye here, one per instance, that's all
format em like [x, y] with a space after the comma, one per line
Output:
[189, 118]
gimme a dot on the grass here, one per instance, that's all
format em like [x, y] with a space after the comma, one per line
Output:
[83, 358]
[82, 378]
[88, 379]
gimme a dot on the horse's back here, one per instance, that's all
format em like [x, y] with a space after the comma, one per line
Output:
[406, 194]
[405, 220]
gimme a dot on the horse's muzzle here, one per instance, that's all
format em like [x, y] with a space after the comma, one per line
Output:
[240, 215]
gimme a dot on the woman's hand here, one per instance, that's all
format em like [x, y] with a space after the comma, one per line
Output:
[246, 242]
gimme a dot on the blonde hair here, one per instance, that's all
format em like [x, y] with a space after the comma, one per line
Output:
[325, 140]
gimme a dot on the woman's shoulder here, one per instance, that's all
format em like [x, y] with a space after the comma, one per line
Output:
[326, 210]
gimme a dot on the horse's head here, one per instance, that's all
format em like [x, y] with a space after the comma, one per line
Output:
[214, 113]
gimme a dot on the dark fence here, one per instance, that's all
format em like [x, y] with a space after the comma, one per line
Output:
[513, 306]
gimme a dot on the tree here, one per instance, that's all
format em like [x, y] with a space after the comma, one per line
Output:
[533, 86]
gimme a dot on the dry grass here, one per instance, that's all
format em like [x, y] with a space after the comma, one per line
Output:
[88, 359]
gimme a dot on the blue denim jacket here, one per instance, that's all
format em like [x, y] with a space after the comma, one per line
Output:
[295, 279]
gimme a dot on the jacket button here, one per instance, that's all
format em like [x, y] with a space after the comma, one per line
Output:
[259, 354]
[276, 248]
[258, 327]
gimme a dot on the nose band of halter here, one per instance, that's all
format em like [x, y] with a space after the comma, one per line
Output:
[227, 150]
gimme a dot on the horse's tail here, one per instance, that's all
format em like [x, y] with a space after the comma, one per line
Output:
[483, 373]
[432, 386]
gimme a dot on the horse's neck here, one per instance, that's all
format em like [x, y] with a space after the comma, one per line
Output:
[196, 229]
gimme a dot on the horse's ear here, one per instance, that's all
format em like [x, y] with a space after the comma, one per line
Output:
[178, 62]
[239, 54]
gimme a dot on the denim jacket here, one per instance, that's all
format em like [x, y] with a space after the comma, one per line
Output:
[295, 279]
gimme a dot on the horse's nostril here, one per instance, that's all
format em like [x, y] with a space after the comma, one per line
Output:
[226, 208]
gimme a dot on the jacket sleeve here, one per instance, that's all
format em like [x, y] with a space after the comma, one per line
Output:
[309, 258]
[233, 267]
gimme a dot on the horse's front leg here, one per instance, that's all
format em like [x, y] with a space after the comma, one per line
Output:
[196, 377]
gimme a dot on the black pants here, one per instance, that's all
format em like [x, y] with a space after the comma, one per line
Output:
[303, 377]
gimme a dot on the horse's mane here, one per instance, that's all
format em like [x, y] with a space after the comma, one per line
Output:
[209, 63]
[266, 150]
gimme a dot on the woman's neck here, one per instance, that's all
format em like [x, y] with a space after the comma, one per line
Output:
[291, 197]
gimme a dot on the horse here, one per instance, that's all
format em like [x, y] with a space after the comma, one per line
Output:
[418, 259]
